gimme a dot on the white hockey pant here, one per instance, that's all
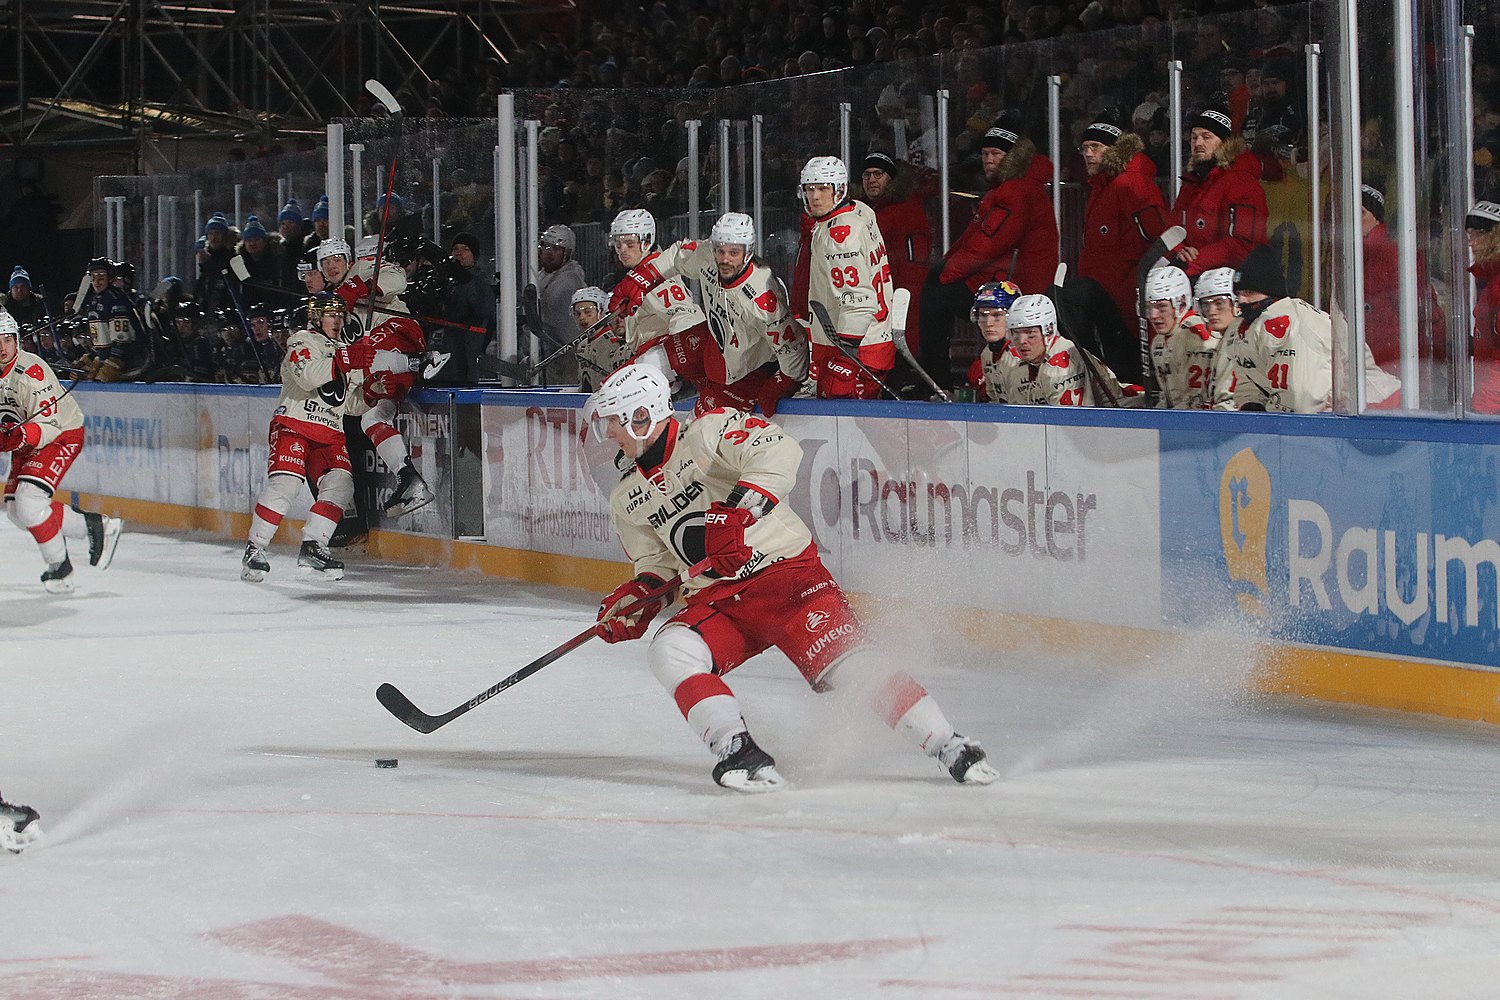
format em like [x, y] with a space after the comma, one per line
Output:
[335, 492]
[32, 509]
[379, 425]
[683, 664]
[860, 678]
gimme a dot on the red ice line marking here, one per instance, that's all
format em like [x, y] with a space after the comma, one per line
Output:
[1311, 874]
[45, 958]
[81, 984]
[1295, 933]
[1001, 989]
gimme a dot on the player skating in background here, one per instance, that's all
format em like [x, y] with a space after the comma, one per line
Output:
[660, 327]
[989, 312]
[382, 388]
[307, 443]
[841, 263]
[19, 826]
[1184, 348]
[42, 428]
[755, 352]
[717, 489]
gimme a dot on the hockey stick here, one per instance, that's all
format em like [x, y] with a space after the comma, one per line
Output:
[237, 265]
[900, 304]
[826, 321]
[384, 96]
[239, 310]
[402, 708]
[1101, 387]
[1165, 244]
[594, 332]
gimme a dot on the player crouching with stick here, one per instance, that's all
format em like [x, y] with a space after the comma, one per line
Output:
[307, 442]
[716, 490]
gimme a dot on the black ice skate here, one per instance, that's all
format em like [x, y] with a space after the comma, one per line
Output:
[965, 761]
[254, 565]
[58, 578]
[411, 492]
[318, 559]
[745, 767]
[18, 826]
[104, 535]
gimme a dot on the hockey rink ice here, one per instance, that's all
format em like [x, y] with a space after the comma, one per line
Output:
[202, 753]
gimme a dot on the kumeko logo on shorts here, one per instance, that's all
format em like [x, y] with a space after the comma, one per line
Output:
[816, 620]
[830, 637]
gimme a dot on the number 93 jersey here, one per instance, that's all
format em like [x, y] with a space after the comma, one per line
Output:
[849, 274]
[727, 456]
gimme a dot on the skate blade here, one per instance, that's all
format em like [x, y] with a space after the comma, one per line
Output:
[252, 575]
[15, 843]
[113, 527]
[767, 779]
[980, 773]
[313, 573]
[414, 504]
[60, 587]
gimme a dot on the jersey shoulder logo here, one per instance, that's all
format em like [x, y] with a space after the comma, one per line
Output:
[1278, 326]
[766, 301]
[840, 233]
[1060, 360]
[35, 372]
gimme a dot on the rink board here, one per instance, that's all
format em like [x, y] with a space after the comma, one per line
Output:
[1359, 555]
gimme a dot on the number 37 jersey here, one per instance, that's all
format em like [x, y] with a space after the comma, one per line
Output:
[30, 392]
[724, 455]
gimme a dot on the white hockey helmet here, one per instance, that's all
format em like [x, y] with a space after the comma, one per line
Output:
[624, 394]
[634, 222]
[824, 170]
[8, 325]
[559, 236]
[590, 293]
[734, 228]
[335, 248]
[1169, 284]
[1033, 310]
[1215, 282]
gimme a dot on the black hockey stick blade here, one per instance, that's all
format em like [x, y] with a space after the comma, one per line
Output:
[821, 311]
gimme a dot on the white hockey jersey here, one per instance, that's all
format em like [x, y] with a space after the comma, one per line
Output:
[725, 455]
[750, 317]
[664, 310]
[305, 405]
[31, 393]
[598, 359]
[1184, 358]
[1060, 379]
[994, 360]
[848, 272]
[1282, 360]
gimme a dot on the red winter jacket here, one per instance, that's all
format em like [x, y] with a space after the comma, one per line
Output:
[1487, 337]
[908, 244]
[1013, 221]
[1125, 213]
[1224, 211]
[1383, 305]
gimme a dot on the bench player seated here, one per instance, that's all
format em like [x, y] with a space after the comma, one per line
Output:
[307, 444]
[991, 304]
[717, 490]
[1184, 348]
[1052, 370]
[600, 357]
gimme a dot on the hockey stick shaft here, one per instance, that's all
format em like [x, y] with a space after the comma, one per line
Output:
[239, 310]
[1101, 388]
[594, 332]
[434, 320]
[1170, 239]
[900, 306]
[402, 708]
[826, 321]
[380, 92]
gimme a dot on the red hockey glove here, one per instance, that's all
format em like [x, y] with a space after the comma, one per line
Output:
[358, 355]
[632, 624]
[20, 436]
[724, 538]
[774, 391]
[840, 379]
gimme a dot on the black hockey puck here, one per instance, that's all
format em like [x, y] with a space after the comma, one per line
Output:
[385, 762]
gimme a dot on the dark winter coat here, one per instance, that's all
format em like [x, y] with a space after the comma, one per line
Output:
[907, 232]
[1125, 213]
[1013, 223]
[1223, 208]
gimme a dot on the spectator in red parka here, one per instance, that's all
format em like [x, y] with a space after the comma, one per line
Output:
[1383, 292]
[1012, 237]
[1125, 213]
[890, 189]
[1221, 203]
[1482, 227]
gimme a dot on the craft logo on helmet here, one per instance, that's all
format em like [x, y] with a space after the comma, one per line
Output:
[816, 620]
[1244, 524]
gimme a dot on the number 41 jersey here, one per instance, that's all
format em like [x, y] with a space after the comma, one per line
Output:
[725, 455]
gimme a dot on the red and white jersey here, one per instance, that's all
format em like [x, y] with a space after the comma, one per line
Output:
[658, 512]
[30, 393]
[750, 317]
[848, 272]
[1058, 380]
[1184, 358]
[666, 309]
[598, 360]
[355, 291]
[994, 361]
[306, 368]
[1282, 360]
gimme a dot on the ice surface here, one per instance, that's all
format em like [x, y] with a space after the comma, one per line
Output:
[202, 753]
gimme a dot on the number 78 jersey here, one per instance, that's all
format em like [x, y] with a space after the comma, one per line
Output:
[849, 273]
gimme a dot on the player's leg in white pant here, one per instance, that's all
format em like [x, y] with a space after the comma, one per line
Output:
[335, 492]
[33, 509]
[683, 664]
[275, 500]
[411, 492]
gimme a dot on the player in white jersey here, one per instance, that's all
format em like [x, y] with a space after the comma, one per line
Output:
[990, 314]
[843, 263]
[1280, 357]
[655, 322]
[757, 353]
[1184, 348]
[42, 428]
[307, 442]
[602, 356]
[717, 490]
[1051, 369]
[19, 826]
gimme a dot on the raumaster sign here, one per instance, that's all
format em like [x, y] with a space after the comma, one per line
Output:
[1375, 544]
